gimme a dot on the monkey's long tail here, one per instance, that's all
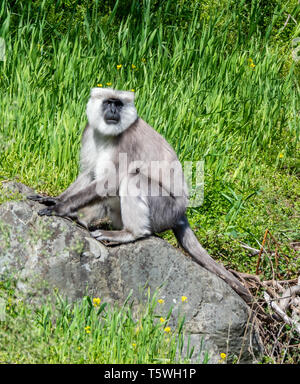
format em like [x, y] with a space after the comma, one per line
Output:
[189, 243]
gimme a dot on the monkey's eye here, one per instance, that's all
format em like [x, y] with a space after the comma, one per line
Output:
[119, 103]
[116, 102]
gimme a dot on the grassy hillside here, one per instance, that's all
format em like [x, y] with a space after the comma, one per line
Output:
[91, 332]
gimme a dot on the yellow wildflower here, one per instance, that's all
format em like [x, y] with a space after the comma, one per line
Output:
[99, 85]
[132, 90]
[162, 320]
[119, 66]
[96, 301]
[87, 329]
[134, 345]
[133, 66]
[108, 84]
[167, 329]
[223, 356]
[183, 299]
[161, 301]
[251, 64]
[281, 155]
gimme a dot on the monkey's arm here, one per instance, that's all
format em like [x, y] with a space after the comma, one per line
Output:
[83, 180]
[96, 190]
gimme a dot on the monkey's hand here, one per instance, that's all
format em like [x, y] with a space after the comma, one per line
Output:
[59, 209]
[46, 212]
[43, 199]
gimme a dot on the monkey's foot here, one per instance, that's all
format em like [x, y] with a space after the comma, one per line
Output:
[113, 236]
[43, 199]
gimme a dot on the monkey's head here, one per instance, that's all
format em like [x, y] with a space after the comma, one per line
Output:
[110, 111]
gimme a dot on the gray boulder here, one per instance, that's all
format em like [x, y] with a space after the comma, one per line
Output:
[46, 252]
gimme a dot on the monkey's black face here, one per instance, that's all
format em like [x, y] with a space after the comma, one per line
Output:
[112, 110]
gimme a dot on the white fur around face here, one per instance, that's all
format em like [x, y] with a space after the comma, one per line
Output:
[95, 115]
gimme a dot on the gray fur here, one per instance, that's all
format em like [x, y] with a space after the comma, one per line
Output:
[189, 242]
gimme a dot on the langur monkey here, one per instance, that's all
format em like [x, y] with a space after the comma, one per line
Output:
[117, 180]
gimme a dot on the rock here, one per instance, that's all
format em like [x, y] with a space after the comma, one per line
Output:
[46, 252]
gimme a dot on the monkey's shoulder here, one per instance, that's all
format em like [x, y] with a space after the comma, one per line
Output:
[141, 140]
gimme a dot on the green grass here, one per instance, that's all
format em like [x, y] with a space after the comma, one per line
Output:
[89, 332]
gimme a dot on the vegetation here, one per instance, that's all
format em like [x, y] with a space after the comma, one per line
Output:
[216, 78]
[89, 332]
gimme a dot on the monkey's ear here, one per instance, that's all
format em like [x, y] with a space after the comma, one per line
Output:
[126, 96]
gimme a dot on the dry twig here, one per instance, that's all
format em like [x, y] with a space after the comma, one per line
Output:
[283, 315]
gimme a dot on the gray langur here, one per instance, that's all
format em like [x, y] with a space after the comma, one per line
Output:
[108, 183]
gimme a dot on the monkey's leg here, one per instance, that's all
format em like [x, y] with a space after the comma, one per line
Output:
[135, 218]
[135, 215]
[96, 215]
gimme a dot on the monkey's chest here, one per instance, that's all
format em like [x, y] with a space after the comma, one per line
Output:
[104, 165]
[97, 159]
